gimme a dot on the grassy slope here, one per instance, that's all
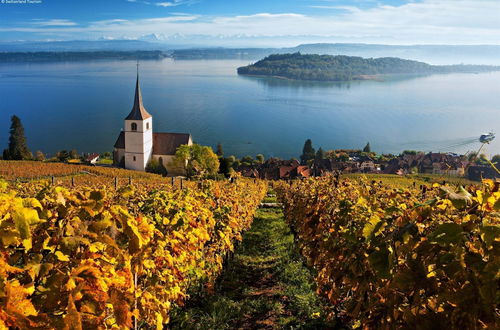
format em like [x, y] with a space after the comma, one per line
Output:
[265, 285]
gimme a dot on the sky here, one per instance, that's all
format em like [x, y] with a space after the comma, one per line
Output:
[368, 21]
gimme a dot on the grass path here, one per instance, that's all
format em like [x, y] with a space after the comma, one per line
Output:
[264, 286]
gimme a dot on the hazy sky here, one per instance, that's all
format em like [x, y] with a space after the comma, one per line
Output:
[372, 21]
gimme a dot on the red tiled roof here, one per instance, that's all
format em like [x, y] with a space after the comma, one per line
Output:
[285, 171]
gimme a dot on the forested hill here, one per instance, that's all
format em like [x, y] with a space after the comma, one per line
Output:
[344, 68]
[81, 56]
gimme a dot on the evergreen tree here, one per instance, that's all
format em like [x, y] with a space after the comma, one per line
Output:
[320, 154]
[226, 165]
[367, 148]
[17, 142]
[219, 151]
[308, 152]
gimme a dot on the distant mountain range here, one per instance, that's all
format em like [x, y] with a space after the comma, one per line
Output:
[345, 68]
[434, 54]
[82, 45]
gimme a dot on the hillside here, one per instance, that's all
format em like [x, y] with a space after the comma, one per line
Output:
[344, 68]
[53, 56]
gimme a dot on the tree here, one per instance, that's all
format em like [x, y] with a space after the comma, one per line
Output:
[496, 159]
[308, 152]
[226, 165]
[342, 156]
[409, 152]
[320, 154]
[17, 149]
[197, 160]
[63, 155]
[472, 156]
[482, 159]
[73, 154]
[154, 166]
[367, 148]
[39, 156]
[106, 155]
[260, 158]
[247, 160]
[219, 151]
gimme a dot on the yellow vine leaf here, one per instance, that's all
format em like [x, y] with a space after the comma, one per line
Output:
[61, 256]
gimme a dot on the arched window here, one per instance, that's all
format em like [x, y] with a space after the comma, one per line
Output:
[134, 127]
[147, 125]
[161, 160]
[134, 158]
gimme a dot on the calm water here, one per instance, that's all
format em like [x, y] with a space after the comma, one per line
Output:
[82, 105]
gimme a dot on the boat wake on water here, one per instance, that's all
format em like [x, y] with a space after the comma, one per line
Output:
[443, 146]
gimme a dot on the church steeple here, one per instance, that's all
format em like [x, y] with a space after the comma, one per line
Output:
[138, 111]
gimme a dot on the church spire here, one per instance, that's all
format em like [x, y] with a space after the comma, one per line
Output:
[138, 111]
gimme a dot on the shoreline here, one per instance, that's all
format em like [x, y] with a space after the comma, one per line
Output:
[357, 78]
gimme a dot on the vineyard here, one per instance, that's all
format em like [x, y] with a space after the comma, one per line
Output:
[99, 248]
[74, 174]
[391, 257]
[87, 257]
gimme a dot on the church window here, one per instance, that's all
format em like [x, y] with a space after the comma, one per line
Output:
[161, 160]
[134, 127]
[147, 125]
[134, 158]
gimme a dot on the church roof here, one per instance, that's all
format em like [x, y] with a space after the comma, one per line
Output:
[163, 143]
[120, 142]
[167, 143]
[138, 111]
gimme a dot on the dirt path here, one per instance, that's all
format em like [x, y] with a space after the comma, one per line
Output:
[264, 286]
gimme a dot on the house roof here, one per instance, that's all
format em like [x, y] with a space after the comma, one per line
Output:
[92, 156]
[163, 143]
[138, 111]
[285, 171]
[167, 143]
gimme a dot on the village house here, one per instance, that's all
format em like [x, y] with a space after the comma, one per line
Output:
[480, 172]
[430, 163]
[92, 158]
[137, 144]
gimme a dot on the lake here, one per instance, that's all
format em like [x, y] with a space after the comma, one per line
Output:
[81, 105]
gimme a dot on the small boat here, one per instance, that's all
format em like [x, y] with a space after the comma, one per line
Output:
[487, 138]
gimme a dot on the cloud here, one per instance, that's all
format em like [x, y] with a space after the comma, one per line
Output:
[173, 3]
[53, 22]
[426, 21]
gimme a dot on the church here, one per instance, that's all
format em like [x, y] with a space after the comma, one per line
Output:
[137, 144]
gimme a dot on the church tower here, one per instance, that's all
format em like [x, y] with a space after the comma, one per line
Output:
[138, 133]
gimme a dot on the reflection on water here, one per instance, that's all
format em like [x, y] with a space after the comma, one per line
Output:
[290, 83]
[82, 105]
